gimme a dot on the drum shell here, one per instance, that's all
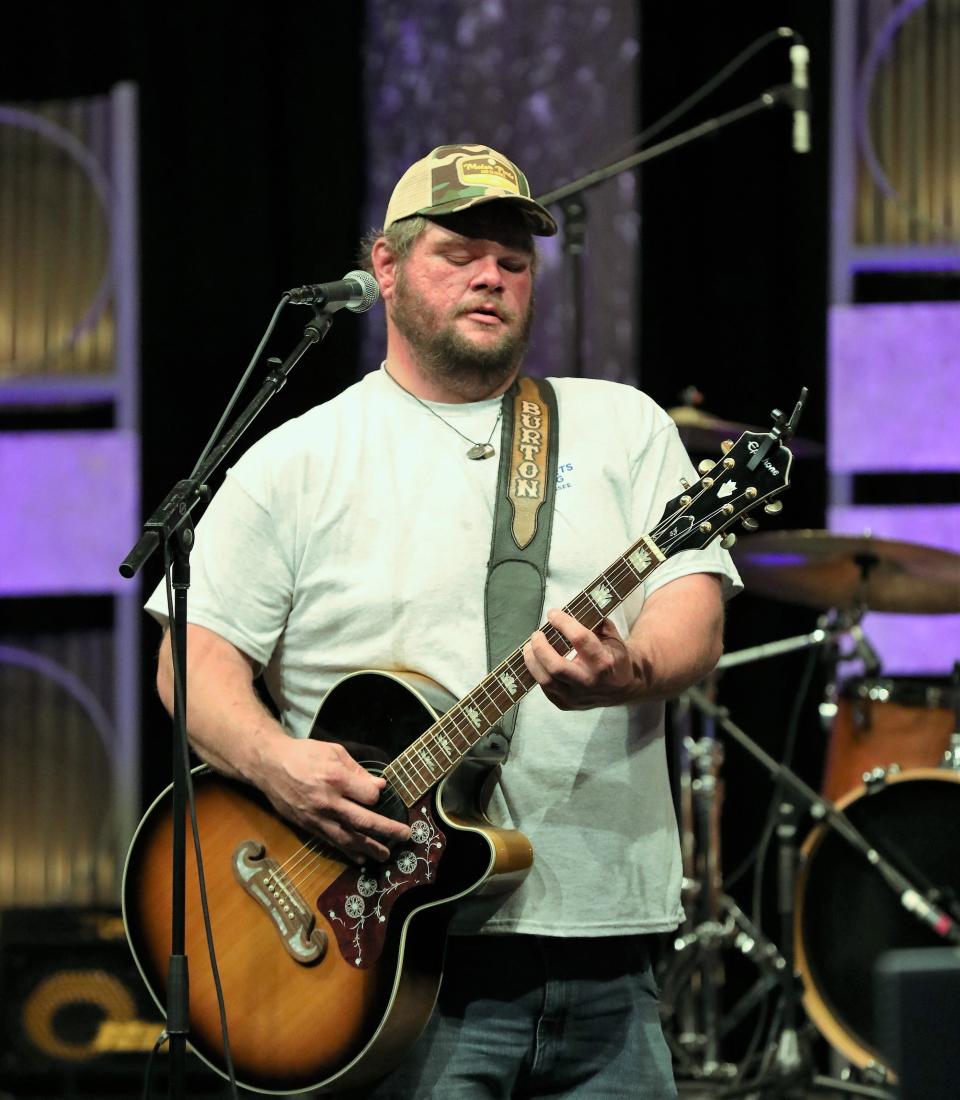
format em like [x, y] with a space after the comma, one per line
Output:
[847, 916]
[887, 720]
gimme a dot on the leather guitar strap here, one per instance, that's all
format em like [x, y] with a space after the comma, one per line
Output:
[522, 526]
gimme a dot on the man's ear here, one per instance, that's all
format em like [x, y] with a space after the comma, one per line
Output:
[384, 268]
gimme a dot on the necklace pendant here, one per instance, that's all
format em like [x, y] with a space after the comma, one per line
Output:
[481, 450]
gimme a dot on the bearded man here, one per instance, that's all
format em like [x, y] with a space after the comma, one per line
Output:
[358, 536]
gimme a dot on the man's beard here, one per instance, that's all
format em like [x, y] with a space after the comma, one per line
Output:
[471, 371]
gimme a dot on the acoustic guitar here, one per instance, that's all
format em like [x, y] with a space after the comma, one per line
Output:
[330, 970]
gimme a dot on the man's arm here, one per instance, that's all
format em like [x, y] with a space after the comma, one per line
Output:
[676, 640]
[316, 784]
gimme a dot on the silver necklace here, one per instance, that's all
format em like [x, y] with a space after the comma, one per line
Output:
[477, 450]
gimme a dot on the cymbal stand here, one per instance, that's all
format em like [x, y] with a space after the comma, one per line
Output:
[693, 978]
[693, 981]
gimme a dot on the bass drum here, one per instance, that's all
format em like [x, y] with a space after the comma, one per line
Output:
[847, 916]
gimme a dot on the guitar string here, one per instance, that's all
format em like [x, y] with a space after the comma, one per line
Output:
[621, 569]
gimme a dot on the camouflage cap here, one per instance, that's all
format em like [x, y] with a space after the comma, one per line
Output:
[455, 177]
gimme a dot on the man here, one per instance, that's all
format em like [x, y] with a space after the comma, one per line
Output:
[357, 536]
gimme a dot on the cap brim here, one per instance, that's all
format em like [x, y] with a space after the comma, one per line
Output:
[538, 218]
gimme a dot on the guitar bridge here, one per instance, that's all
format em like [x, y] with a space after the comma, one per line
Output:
[261, 877]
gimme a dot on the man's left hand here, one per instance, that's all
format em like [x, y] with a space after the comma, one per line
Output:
[602, 672]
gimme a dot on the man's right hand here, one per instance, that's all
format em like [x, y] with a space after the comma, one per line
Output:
[319, 786]
[315, 784]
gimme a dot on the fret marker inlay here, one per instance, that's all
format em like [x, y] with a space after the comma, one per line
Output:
[601, 596]
[640, 559]
[508, 682]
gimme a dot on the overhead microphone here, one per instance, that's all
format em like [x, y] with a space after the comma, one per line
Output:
[799, 58]
[356, 291]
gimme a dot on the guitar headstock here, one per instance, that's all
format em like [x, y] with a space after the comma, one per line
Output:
[751, 472]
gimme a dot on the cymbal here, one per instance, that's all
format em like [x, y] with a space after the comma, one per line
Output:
[824, 570]
[702, 432]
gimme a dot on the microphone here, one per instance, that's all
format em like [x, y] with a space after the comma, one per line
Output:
[357, 291]
[932, 916]
[799, 56]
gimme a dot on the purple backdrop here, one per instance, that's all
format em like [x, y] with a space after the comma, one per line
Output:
[894, 387]
[69, 500]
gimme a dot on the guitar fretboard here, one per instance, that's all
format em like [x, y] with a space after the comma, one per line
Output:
[441, 747]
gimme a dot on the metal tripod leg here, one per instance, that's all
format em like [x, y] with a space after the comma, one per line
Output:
[698, 962]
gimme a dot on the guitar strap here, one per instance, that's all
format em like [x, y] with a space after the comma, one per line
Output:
[522, 526]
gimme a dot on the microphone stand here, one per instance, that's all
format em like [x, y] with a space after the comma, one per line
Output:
[171, 527]
[791, 1063]
[574, 208]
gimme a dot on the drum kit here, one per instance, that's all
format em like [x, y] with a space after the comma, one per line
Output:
[879, 869]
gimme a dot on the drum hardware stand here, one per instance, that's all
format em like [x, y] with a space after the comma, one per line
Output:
[694, 977]
[697, 963]
[791, 1056]
[717, 922]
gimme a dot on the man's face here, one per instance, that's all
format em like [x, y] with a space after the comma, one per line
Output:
[463, 300]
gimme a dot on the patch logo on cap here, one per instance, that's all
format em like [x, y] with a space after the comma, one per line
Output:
[486, 172]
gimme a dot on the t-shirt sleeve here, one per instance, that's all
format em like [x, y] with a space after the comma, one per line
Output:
[241, 582]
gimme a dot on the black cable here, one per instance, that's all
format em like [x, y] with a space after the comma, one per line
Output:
[151, 1059]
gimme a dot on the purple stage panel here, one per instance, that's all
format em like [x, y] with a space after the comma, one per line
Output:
[69, 504]
[894, 387]
[908, 644]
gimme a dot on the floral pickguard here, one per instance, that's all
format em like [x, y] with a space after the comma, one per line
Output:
[358, 902]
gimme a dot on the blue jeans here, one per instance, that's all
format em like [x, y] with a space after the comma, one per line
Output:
[538, 1016]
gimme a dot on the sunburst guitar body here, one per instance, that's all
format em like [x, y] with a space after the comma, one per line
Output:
[329, 971]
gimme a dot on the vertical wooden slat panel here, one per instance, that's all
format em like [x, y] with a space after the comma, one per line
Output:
[939, 135]
[914, 118]
[55, 244]
[56, 843]
[59, 839]
[8, 180]
[953, 73]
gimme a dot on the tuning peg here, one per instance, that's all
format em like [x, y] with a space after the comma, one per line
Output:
[728, 540]
[706, 466]
[750, 524]
[684, 483]
[773, 507]
[726, 445]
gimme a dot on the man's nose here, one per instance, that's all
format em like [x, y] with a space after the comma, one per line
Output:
[487, 274]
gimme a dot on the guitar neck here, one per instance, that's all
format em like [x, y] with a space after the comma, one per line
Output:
[440, 748]
[754, 469]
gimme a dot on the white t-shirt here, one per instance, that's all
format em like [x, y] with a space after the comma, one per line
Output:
[357, 535]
